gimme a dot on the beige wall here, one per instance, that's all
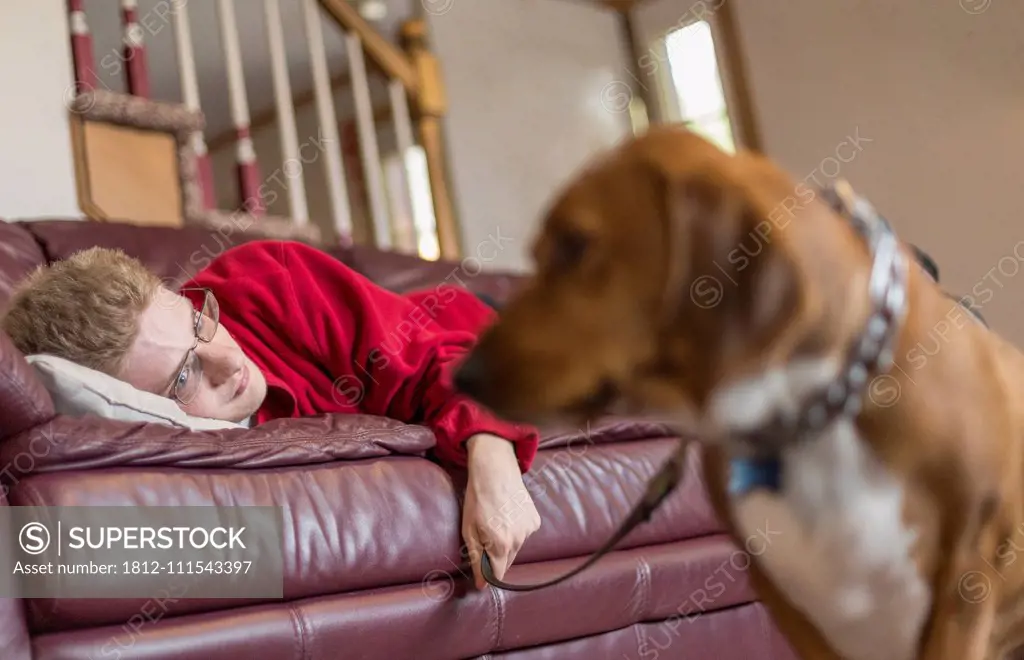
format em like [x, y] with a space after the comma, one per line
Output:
[936, 93]
[528, 91]
[37, 177]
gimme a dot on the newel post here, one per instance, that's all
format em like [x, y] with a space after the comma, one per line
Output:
[429, 105]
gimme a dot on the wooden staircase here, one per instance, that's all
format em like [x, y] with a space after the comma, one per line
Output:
[146, 160]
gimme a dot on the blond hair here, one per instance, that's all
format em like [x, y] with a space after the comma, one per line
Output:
[84, 308]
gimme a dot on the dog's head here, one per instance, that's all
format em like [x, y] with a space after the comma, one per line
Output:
[662, 268]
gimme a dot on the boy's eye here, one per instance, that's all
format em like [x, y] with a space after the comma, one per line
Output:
[191, 368]
[183, 376]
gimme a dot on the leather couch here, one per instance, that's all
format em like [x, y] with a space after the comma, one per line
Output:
[372, 560]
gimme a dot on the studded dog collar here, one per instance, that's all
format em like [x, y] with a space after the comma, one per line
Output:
[871, 353]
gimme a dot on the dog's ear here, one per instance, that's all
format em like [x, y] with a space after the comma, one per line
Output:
[742, 288]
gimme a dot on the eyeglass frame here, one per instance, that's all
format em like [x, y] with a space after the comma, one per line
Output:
[197, 323]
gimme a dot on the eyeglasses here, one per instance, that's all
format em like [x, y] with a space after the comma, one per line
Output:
[205, 322]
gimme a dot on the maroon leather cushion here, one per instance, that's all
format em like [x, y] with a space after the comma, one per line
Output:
[13, 632]
[606, 429]
[740, 633]
[85, 443]
[76, 443]
[177, 254]
[19, 256]
[403, 273]
[370, 523]
[24, 402]
[173, 254]
[415, 621]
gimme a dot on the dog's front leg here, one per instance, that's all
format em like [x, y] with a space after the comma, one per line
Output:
[959, 629]
[967, 593]
[805, 640]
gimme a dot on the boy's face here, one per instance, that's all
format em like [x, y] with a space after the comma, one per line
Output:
[227, 385]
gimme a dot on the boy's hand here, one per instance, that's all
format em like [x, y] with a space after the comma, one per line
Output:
[499, 514]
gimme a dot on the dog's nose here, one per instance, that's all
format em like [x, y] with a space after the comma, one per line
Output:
[470, 376]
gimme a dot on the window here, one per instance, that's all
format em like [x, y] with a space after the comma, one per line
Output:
[692, 75]
[411, 202]
[422, 204]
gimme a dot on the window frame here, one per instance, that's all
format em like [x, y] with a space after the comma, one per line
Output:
[649, 48]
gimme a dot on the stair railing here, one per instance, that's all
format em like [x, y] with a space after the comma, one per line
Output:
[415, 94]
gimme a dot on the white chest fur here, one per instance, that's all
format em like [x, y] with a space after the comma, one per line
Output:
[840, 550]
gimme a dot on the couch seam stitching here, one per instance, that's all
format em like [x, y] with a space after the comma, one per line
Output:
[301, 629]
[499, 619]
[645, 586]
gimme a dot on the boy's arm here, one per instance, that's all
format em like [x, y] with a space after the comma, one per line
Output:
[392, 358]
[399, 359]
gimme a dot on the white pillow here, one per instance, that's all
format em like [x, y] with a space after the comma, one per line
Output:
[78, 390]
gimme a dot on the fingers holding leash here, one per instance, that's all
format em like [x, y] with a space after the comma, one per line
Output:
[474, 548]
[501, 538]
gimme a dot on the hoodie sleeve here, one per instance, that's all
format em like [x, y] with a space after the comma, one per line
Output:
[399, 352]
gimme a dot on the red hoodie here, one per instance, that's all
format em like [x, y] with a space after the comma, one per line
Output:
[329, 340]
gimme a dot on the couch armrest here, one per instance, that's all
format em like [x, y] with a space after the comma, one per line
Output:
[14, 639]
[24, 402]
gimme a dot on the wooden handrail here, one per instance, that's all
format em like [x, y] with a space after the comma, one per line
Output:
[418, 71]
[384, 54]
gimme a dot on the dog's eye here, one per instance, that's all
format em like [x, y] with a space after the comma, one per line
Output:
[569, 249]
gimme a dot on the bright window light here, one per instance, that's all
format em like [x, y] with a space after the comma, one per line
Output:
[698, 86]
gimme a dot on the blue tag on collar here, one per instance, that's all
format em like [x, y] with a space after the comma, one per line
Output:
[747, 474]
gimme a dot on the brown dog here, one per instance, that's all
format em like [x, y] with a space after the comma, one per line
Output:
[679, 280]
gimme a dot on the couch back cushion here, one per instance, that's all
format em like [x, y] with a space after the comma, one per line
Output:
[405, 272]
[173, 254]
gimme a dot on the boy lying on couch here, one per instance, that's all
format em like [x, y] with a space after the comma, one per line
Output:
[280, 329]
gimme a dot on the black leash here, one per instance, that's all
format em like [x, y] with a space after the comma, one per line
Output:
[658, 488]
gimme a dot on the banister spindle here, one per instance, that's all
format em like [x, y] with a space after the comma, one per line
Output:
[286, 115]
[355, 182]
[368, 142]
[333, 170]
[190, 96]
[81, 47]
[248, 168]
[136, 70]
[406, 237]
